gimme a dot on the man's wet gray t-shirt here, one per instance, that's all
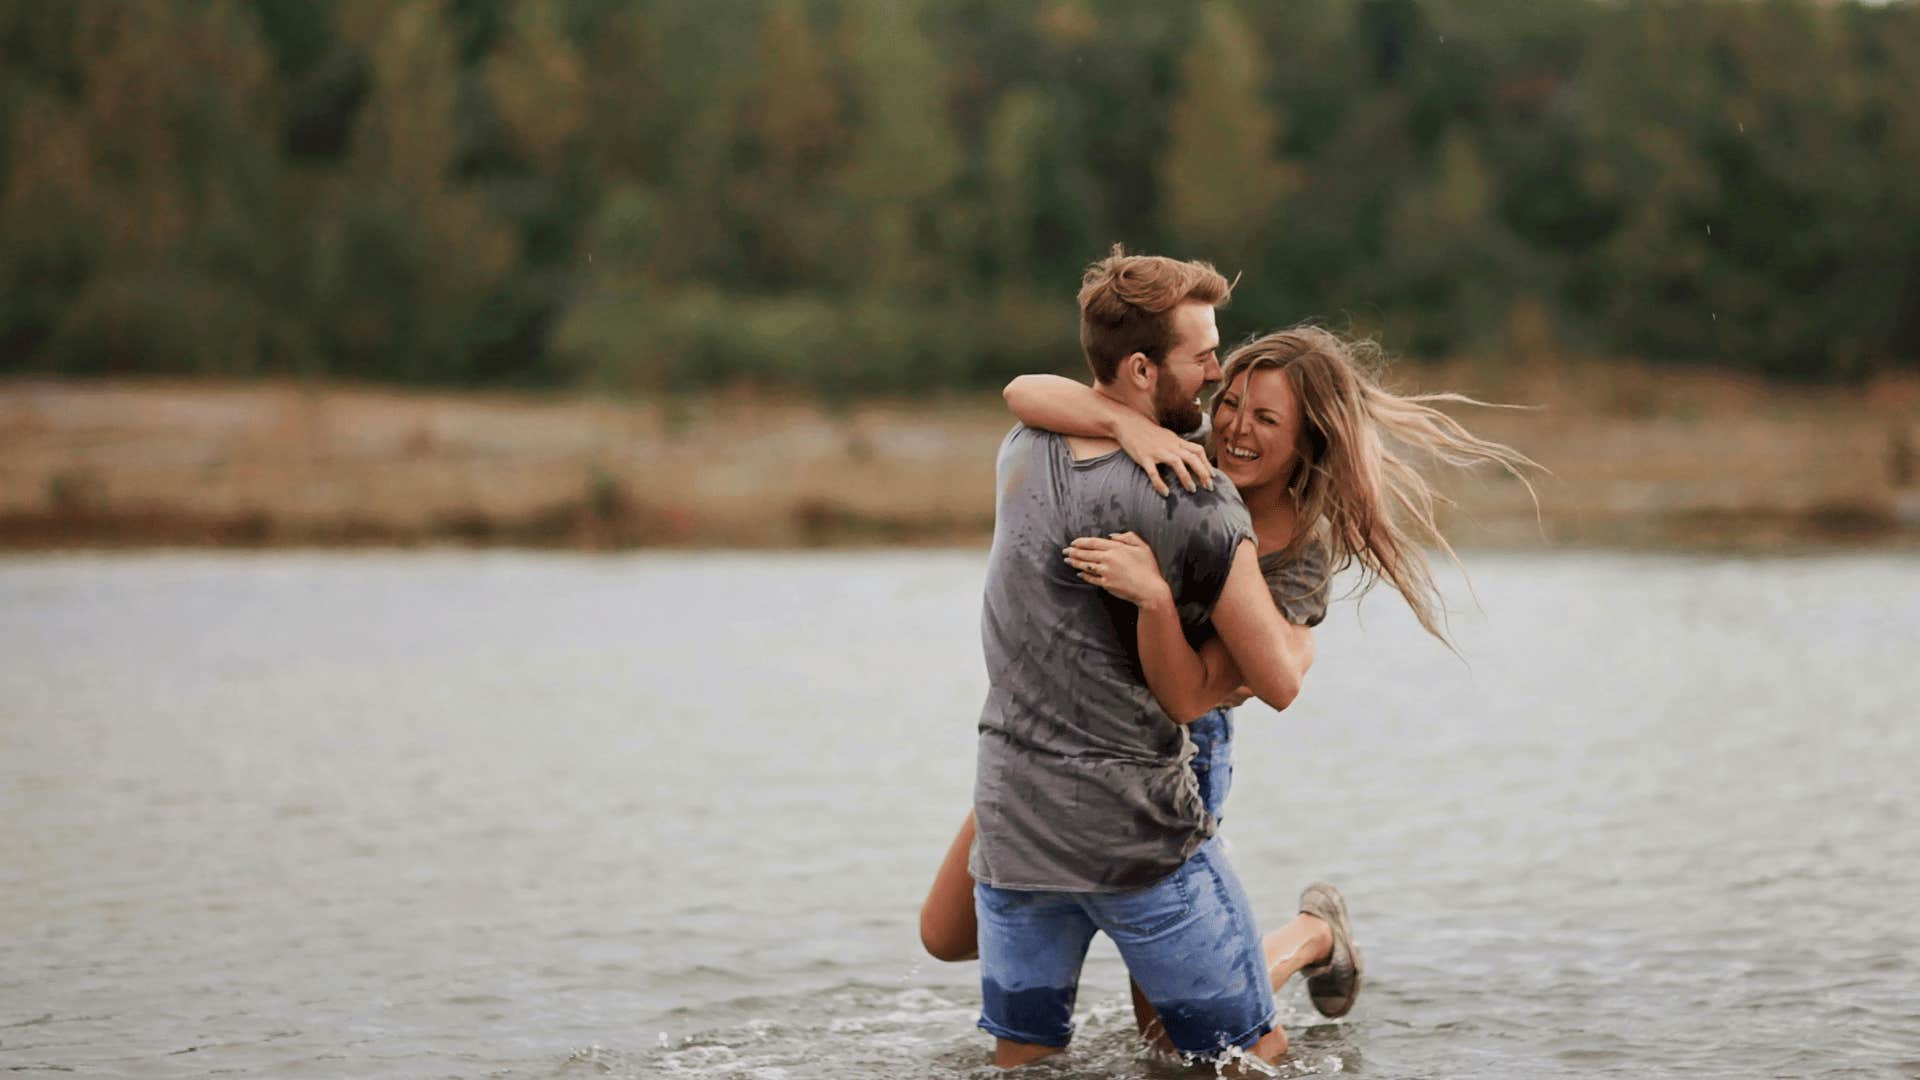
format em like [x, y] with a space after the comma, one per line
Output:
[1082, 781]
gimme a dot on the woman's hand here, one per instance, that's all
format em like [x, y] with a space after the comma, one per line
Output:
[1123, 565]
[1151, 446]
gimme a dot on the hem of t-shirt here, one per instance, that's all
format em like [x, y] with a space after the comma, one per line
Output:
[1075, 889]
[1099, 888]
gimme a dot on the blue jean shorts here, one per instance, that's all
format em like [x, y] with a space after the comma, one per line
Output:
[1212, 763]
[1189, 941]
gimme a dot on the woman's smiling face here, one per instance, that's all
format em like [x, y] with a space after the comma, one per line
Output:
[1256, 428]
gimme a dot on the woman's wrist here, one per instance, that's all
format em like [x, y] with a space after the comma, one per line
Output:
[1158, 601]
[1121, 422]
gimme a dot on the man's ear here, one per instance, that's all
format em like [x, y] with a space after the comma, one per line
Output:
[1139, 370]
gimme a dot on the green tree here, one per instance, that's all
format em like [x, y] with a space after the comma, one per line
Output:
[1222, 178]
[414, 267]
[537, 85]
[790, 125]
[1450, 265]
[903, 156]
[146, 208]
[1017, 136]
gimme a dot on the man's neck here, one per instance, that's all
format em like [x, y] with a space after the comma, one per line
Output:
[1120, 396]
[1086, 446]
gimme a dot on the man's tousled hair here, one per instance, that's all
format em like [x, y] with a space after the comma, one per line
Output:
[1126, 303]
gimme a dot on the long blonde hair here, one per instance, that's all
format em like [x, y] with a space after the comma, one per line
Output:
[1352, 471]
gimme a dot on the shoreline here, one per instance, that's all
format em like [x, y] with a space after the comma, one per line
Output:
[1640, 461]
[566, 529]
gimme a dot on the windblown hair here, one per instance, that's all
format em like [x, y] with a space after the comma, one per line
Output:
[1352, 470]
[1125, 301]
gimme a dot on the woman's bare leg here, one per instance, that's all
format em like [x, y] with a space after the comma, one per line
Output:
[1304, 942]
[948, 927]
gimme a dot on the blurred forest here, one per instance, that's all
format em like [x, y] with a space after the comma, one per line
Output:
[896, 196]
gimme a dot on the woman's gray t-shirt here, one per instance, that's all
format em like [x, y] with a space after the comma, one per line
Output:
[1299, 584]
[1082, 782]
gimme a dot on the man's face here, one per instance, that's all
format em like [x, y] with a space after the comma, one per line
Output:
[1192, 365]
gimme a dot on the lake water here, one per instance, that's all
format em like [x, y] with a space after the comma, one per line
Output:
[521, 815]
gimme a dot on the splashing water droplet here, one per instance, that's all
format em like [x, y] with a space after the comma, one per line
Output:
[1238, 1061]
[1709, 230]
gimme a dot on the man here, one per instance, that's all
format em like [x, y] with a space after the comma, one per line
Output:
[1088, 817]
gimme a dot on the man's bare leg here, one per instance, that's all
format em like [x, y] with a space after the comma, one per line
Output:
[1008, 1054]
[1270, 1049]
[1146, 1020]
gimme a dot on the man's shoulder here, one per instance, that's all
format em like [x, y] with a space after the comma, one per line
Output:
[1021, 437]
[1022, 434]
[1224, 489]
[1220, 502]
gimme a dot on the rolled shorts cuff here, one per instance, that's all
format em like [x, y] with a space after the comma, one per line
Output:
[1001, 1031]
[1243, 1041]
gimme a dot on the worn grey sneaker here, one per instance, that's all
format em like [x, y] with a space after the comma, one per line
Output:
[1334, 983]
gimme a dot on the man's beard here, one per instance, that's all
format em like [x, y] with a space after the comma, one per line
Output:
[1177, 414]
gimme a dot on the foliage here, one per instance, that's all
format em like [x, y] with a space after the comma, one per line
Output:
[857, 196]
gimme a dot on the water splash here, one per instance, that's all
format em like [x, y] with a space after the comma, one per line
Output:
[1241, 1063]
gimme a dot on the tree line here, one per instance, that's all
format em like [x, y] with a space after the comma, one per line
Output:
[898, 195]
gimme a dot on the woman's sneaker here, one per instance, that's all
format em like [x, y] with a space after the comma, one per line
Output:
[1334, 983]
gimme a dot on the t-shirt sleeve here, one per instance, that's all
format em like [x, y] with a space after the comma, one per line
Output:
[1195, 536]
[1299, 585]
[1016, 459]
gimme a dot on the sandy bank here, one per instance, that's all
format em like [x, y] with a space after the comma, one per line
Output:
[1694, 460]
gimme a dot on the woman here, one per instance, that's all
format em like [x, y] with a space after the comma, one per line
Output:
[1308, 435]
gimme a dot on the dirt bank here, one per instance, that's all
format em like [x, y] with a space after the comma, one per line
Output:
[1695, 460]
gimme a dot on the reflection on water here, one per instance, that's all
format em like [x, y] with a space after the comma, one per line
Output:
[526, 815]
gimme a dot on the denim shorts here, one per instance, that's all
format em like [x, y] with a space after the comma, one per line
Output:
[1212, 764]
[1189, 941]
